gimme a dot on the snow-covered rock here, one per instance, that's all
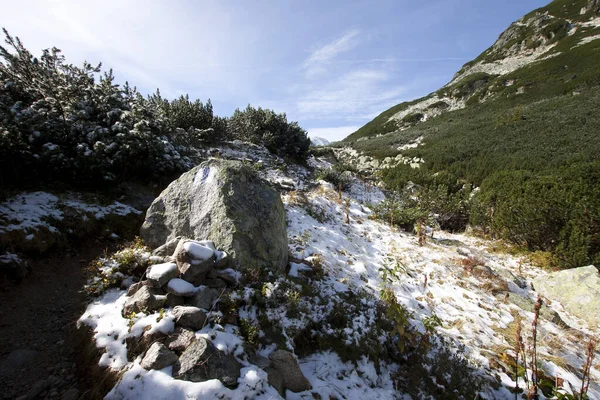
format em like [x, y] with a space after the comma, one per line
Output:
[159, 274]
[181, 288]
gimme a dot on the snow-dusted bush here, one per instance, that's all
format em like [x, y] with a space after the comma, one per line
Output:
[74, 124]
[57, 120]
[266, 127]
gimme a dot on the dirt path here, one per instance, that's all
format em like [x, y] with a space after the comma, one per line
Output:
[37, 321]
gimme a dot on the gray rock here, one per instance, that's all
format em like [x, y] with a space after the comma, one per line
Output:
[202, 361]
[258, 360]
[484, 271]
[138, 345]
[159, 274]
[528, 305]
[275, 379]
[509, 276]
[71, 394]
[227, 277]
[578, 290]
[146, 299]
[225, 202]
[168, 248]
[204, 298]
[189, 317]
[173, 300]
[180, 340]
[158, 356]
[223, 260]
[135, 287]
[286, 364]
[17, 359]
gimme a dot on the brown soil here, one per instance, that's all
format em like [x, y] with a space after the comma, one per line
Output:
[39, 316]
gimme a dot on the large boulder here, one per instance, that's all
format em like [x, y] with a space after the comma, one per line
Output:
[578, 290]
[227, 203]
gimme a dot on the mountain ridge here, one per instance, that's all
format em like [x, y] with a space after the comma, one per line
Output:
[541, 37]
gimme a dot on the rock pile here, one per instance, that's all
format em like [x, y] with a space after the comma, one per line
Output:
[191, 282]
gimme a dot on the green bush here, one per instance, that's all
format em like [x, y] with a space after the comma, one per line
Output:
[265, 127]
[58, 123]
[332, 176]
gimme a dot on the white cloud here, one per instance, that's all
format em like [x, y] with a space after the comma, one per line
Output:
[357, 95]
[176, 46]
[333, 134]
[316, 63]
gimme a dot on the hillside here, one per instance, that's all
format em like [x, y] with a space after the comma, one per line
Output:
[519, 123]
[551, 51]
[150, 249]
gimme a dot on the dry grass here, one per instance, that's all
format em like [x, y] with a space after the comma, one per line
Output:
[97, 381]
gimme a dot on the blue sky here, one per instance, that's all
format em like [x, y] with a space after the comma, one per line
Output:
[330, 65]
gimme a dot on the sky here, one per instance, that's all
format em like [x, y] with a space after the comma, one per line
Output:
[330, 65]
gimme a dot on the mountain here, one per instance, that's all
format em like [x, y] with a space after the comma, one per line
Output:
[319, 141]
[520, 124]
[549, 52]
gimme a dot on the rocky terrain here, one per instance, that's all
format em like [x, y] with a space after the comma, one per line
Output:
[265, 269]
[249, 327]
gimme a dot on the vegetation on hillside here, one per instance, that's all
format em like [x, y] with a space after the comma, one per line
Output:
[532, 147]
[537, 170]
[60, 122]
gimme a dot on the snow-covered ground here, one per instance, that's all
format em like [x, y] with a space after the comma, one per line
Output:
[353, 250]
[36, 210]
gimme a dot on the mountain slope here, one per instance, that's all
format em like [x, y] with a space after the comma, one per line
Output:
[520, 123]
[549, 52]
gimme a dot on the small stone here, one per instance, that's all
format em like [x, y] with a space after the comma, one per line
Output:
[159, 274]
[144, 300]
[223, 260]
[173, 300]
[135, 287]
[181, 288]
[227, 276]
[158, 356]
[168, 248]
[36, 389]
[194, 260]
[216, 283]
[189, 317]
[17, 359]
[204, 298]
[137, 345]
[180, 339]
[286, 364]
[202, 361]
